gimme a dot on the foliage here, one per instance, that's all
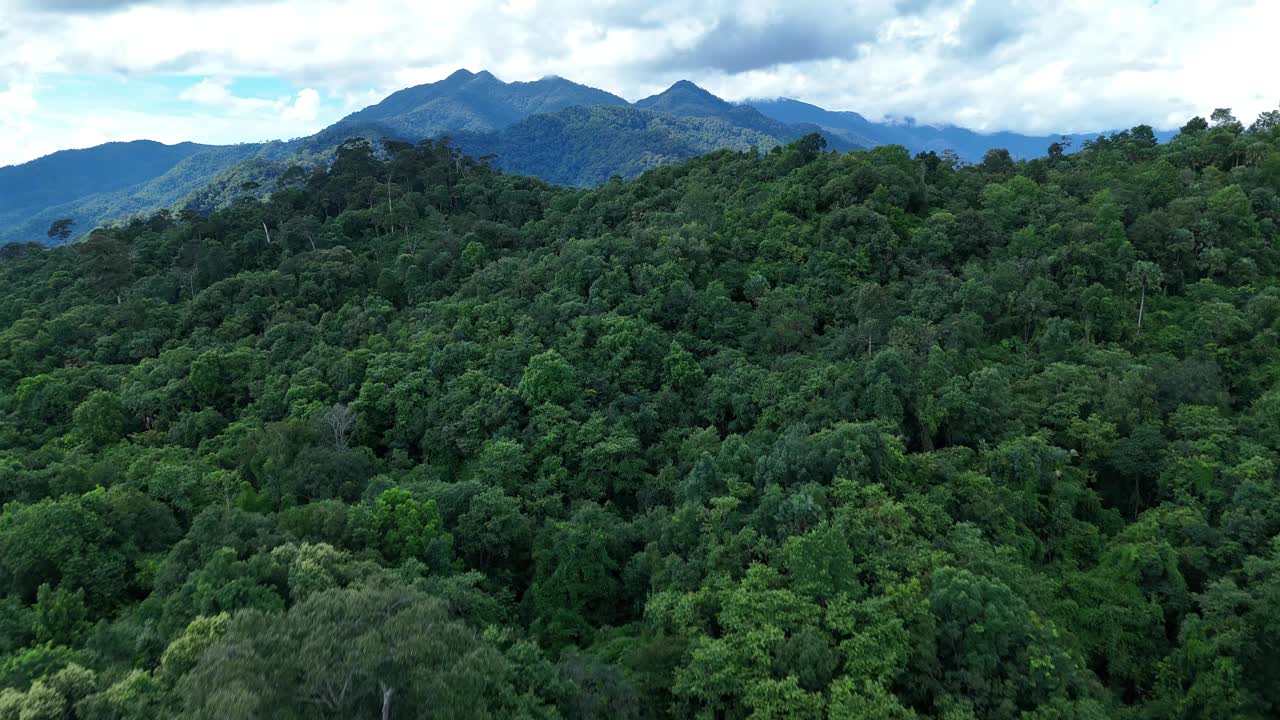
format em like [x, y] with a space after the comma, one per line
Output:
[799, 434]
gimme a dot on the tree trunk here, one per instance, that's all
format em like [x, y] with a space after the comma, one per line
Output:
[1142, 305]
[386, 702]
[926, 439]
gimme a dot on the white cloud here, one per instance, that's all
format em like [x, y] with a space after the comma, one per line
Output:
[18, 109]
[305, 107]
[217, 93]
[991, 64]
[18, 100]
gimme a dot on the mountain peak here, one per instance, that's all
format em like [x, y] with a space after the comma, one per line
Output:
[462, 76]
[687, 86]
[685, 98]
[688, 89]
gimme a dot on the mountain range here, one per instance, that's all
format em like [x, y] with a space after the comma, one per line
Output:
[552, 128]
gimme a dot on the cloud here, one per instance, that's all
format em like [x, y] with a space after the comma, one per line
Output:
[17, 101]
[55, 7]
[791, 33]
[216, 93]
[305, 107]
[1019, 65]
[18, 109]
[987, 25]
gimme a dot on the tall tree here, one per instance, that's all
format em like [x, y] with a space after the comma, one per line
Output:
[1144, 276]
[60, 229]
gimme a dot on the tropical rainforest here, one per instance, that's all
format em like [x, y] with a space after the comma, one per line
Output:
[789, 434]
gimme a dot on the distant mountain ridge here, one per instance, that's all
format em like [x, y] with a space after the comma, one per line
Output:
[556, 129]
[70, 174]
[969, 145]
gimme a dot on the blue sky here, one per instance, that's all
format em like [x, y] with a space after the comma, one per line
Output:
[75, 73]
[70, 110]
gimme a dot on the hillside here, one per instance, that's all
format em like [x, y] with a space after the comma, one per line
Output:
[164, 189]
[782, 435]
[585, 146]
[204, 181]
[69, 174]
[66, 176]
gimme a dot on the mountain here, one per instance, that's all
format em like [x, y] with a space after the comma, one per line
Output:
[204, 180]
[473, 102]
[583, 146]
[71, 174]
[553, 128]
[967, 144]
[163, 189]
[685, 99]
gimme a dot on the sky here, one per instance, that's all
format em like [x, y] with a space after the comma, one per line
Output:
[76, 73]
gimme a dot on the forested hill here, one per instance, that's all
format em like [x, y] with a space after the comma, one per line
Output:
[793, 435]
[67, 175]
[586, 146]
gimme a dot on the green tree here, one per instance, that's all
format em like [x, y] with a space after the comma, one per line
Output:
[100, 419]
[376, 650]
[548, 378]
[60, 229]
[108, 264]
[402, 527]
[59, 616]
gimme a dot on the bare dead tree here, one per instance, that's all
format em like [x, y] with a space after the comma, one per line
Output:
[338, 422]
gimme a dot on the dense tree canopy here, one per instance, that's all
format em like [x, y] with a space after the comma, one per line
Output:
[792, 435]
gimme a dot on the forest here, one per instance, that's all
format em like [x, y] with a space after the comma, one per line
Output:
[793, 434]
